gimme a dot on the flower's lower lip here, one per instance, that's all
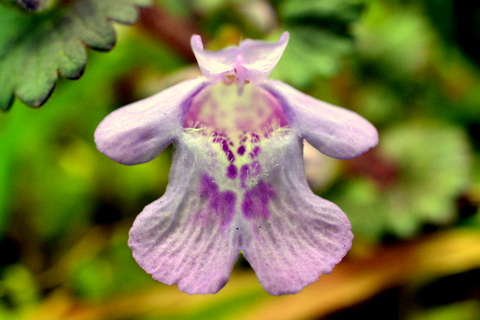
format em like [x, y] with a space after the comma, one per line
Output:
[194, 233]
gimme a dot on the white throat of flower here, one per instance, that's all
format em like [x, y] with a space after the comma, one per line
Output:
[237, 122]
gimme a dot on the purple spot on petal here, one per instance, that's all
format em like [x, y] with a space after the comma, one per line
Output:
[241, 150]
[256, 200]
[208, 187]
[232, 171]
[225, 145]
[226, 208]
[217, 205]
[255, 152]
[230, 156]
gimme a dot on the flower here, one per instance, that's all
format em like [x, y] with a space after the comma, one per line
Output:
[237, 181]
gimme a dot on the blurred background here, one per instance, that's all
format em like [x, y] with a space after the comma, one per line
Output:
[409, 67]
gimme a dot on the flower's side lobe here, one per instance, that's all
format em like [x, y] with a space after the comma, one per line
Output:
[139, 132]
[334, 131]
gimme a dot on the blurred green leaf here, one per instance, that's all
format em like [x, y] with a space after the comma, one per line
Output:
[20, 286]
[34, 49]
[332, 13]
[6, 169]
[311, 52]
[320, 37]
[93, 278]
[394, 40]
[442, 15]
[468, 310]
[432, 162]
[474, 221]
[378, 103]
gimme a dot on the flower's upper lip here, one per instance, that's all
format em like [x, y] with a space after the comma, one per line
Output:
[252, 60]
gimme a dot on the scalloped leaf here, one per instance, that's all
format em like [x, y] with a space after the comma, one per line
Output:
[35, 48]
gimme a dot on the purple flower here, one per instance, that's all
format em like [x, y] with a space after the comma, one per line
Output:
[237, 182]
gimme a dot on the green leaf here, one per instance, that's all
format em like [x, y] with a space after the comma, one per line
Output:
[34, 49]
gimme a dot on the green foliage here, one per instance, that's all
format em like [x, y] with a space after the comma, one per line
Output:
[432, 169]
[34, 49]
[320, 37]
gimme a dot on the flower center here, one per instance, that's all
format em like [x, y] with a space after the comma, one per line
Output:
[219, 109]
[237, 124]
